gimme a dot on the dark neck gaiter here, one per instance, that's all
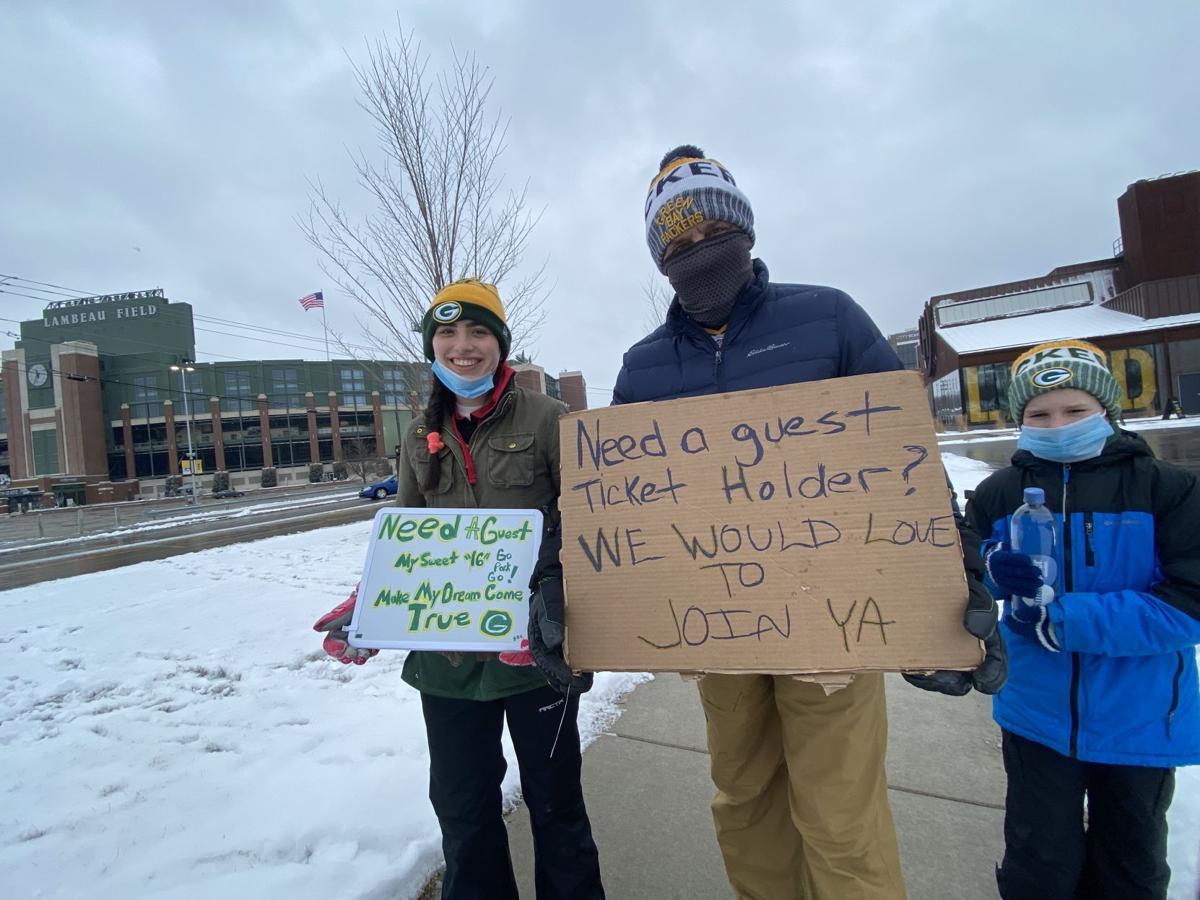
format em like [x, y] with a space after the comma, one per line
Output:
[708, 277]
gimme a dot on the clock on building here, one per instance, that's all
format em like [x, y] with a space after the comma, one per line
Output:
[38, 375]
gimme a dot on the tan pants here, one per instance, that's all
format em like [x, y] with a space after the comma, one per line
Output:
[801, 808]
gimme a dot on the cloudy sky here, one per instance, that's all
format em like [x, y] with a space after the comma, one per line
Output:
[895, 150]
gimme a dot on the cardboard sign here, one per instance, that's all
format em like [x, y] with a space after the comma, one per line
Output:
[805, 528]
[447, 579]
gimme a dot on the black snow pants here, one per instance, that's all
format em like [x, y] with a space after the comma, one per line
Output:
[466, 766]
[1049, 854]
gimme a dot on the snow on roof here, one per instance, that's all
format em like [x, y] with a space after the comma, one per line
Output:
[1085, 322]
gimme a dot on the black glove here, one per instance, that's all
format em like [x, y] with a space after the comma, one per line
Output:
[546, 614]
[990, 675]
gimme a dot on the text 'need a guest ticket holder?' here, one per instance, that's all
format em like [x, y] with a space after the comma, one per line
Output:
[447, 579]
[802, 528]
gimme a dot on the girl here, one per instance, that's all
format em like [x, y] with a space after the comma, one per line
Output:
[1102, 699]
[484, 442]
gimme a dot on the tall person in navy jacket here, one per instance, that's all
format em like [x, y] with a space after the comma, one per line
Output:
[801, 807]
[1102, 699]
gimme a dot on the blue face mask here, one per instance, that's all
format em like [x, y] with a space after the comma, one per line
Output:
[1082, 439]
[464, 387]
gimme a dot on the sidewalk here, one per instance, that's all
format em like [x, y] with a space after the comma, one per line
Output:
[648, 790]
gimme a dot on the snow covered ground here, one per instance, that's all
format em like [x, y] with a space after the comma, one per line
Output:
[173, 730]
[965, 474]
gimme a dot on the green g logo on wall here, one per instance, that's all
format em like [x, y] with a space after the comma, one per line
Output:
[447, 313]
[1048, 378]
[496, 623]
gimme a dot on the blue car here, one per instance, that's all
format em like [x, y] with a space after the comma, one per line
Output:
[380, 490]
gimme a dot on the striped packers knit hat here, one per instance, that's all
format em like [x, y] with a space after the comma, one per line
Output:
[471, 299]
[690, 189]
[1063, 364]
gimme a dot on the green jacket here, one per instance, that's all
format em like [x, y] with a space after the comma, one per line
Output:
[515, 454]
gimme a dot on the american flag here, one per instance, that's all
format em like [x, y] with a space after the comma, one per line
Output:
[313, 301]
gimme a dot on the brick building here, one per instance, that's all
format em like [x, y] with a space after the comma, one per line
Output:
[100, 391]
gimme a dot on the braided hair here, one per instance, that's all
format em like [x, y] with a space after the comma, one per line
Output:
[438, 410]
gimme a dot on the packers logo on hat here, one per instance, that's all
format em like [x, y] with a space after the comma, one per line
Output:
[1068, 363]
[1048, 378]
[446, 313]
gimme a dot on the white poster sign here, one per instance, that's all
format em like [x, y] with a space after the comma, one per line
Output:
[447, 579]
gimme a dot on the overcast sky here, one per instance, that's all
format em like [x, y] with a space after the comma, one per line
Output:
[894, 150]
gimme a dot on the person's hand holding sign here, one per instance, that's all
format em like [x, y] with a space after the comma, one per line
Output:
[547, 613]
[546, 632]
[979, 620]
[335, 623]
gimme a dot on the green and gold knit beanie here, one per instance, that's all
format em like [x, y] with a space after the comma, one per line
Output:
[468, 298]
[1063, 364]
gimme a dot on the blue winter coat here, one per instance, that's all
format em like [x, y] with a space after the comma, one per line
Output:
[777, 334]
[1124, 687]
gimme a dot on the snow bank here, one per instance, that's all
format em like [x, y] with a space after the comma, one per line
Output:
[172, 729]
[965, 474]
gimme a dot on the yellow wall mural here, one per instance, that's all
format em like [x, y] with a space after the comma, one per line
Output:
[985, 388]
[986, 394]
[1135, 371]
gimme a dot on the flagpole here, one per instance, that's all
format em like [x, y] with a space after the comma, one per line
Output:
[325, 326]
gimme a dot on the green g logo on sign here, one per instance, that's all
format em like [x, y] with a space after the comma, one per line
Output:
[447, 313]
[496, 623]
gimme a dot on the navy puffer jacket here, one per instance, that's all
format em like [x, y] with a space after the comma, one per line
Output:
[777, 334]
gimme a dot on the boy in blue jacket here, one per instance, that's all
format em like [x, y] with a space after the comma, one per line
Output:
[1102, 699]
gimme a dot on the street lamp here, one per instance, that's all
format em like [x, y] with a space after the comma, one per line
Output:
[183, 367]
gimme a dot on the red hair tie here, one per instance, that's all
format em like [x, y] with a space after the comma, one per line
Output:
[433, 441]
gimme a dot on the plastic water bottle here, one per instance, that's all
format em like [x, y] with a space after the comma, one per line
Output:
[1032, 532]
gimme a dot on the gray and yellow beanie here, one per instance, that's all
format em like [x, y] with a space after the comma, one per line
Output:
[1063, 364]
[471, 299]
[690, 189]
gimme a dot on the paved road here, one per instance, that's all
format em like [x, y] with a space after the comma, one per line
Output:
[47, 563]
[78, 521]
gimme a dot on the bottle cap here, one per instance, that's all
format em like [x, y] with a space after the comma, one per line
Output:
[1035, 496]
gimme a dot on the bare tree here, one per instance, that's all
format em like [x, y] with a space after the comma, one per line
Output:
[658, 299]
[441, 212]
[361, 459]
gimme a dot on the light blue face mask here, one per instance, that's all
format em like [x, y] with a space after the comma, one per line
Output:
[1082, 439]
[464, 387]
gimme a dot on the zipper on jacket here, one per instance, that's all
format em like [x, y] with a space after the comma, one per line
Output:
[468, 459]
[1175, 691]
[717, 358]
[1089, 553]
[1076, 673]
[1066, 530]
